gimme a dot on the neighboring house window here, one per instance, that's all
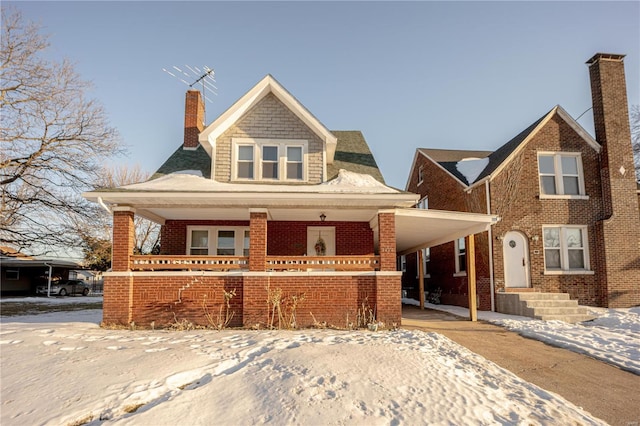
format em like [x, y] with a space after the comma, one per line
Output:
[561, 174]
[218, 241]
[420, 174]
[12, 274]
[269, 159]
[402, 263]
[423, 204]
[461, 256]
[426, 259]
[565, 248]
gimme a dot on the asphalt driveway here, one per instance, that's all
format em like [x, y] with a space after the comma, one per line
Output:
[605, 391]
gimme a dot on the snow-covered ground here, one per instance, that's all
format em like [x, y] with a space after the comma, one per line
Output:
[61, 368]
[613, 337]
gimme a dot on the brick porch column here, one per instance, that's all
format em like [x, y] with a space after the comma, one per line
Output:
[123, 238]
[118, 289]
[388, 280]
[387, 241]
[257, 240]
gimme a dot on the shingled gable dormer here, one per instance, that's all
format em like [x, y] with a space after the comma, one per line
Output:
[268, 135]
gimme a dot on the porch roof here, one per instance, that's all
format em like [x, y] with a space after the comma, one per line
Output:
[417, 229]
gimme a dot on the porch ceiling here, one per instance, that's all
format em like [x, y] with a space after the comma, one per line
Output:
[416, 229]
[332, 214]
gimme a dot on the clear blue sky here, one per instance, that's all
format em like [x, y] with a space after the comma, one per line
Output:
[457, 75]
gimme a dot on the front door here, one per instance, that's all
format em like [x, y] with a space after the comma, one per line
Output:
[516, 260]
[321, 241]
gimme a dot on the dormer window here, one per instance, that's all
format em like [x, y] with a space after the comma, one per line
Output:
[269, 159]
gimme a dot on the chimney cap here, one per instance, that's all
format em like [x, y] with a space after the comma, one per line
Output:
[605, 56]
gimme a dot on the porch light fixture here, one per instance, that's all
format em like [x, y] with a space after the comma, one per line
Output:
[322, 217]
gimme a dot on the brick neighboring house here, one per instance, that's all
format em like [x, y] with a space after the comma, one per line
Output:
[568, 206]
[266, 201]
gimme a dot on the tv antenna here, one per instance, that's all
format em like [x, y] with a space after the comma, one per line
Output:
[205, 76]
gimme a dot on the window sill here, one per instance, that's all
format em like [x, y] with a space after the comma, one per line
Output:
[570, 272]
[460, 274]
[563, 197]
[420, 183]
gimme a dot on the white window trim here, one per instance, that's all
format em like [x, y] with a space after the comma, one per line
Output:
[557, 167]
[564, 252]
[282, 145]
[420, 174]
[459, 273]
[213, 238]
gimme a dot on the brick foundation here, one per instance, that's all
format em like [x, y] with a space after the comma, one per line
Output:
[335, 300]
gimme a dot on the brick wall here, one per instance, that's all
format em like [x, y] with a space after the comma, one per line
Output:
[387, 243]
[621, 224]
[289, 238]
[163, 299]
[258, 242]
[269, 119]
[173, 238]
[284, 238]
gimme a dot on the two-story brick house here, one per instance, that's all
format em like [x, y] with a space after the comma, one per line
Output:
[568, 207]
[268, 204]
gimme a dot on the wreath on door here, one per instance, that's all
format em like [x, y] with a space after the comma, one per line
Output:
[320, 247]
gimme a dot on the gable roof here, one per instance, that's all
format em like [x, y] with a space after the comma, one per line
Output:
[352, 154]
[265, 86]
[498, 159]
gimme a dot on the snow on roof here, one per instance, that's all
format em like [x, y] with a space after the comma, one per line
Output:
[471, 168]
[345, 182]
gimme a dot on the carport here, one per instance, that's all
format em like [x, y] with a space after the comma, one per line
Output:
[417, 229]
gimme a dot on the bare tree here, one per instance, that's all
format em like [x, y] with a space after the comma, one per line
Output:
[634, 115]
[147, 233]
[96, 235]
[53, 141]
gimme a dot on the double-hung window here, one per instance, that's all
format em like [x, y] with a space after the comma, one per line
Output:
[461, 257]
[269, 159]
[565, 249]
[245, 163]
[218, 241]
[561, 175]
[294, 162]
[270, 162]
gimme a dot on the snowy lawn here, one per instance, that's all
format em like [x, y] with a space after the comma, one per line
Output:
[61, 368]
[613, 337]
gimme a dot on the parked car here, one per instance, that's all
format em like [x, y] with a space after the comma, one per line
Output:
[63, 288]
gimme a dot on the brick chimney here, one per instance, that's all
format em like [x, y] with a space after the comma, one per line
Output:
[620, 226]
[193, 118]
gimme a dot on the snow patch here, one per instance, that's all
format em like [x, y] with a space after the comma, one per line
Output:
[345, 182]
[471, 168]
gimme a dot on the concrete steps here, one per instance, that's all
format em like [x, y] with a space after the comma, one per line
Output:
[544, 306]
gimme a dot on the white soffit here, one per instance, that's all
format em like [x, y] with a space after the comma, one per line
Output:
[416, 228]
